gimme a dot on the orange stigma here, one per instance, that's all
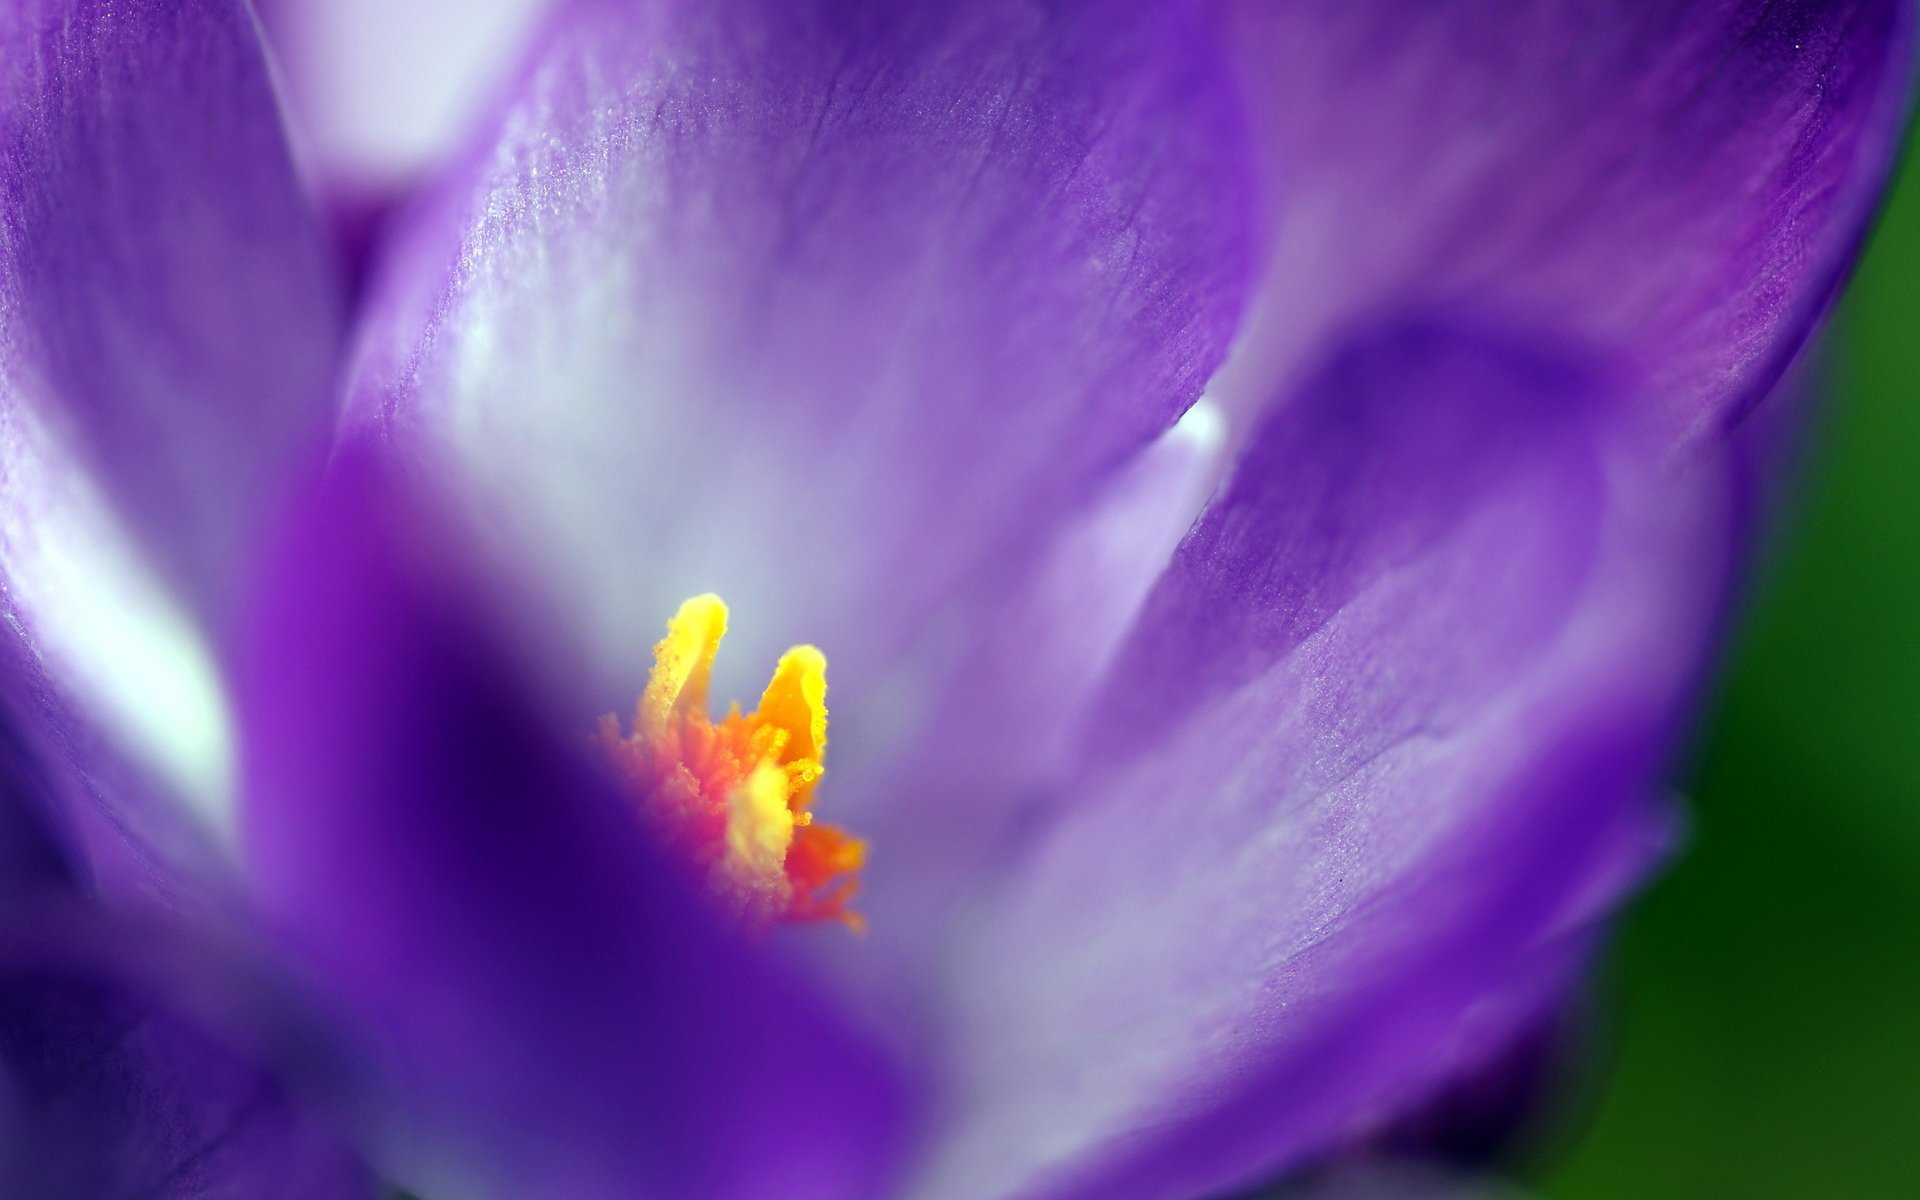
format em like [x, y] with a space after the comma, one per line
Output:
[735, 796]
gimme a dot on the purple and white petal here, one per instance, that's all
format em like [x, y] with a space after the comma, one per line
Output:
[170, 310]
[1685, 182]
[936, 770]
[381, 91]
[1385, 729]
[169, 326]
[818, 306]
[109, 678]
[547, 1004]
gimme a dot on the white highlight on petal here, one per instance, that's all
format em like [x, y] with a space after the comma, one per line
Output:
[1203, 426]
[384, 88]
[106, 627]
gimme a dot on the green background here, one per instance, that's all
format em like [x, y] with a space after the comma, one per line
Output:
[1763, 999]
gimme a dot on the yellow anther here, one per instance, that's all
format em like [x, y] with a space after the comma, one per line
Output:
[736, 796]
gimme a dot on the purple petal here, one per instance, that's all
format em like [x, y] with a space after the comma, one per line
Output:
[1687, 182]
[935, 790]
[815, 305]
[36, 850]
[1401, 1181]
[381, 90]
[112, 1086]
[109, 682]
[168, 304]
[1508, 1091]
[1387, 727]
[544, 992]
[168, 337]
[140, 831]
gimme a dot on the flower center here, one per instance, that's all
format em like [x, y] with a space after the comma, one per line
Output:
[735, 796]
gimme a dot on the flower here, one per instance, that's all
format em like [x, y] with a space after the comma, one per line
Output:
[1265, 481]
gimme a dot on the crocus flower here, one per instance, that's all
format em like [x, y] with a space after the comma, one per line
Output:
[1263, 482]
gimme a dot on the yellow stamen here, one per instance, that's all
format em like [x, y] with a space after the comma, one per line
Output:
[736, 796]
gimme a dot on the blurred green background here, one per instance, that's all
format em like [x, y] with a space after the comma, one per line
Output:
[1763, 1000]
